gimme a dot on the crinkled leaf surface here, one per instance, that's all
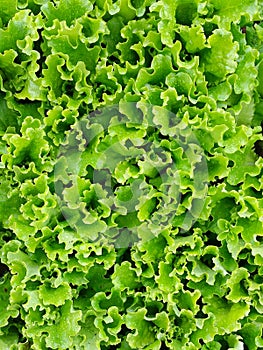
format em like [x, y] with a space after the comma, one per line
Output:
[131, 211]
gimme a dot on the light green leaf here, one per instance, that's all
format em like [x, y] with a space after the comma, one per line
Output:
[221, 58]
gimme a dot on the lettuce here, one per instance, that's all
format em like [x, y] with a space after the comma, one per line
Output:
[131, 211]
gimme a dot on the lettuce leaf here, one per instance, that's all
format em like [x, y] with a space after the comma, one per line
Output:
[131, 211]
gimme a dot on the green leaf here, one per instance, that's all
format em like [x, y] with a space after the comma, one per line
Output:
[60, 335]
[237, 289]
[252, 334]
[181, 81]
[217, 167]
[186, 11]
[161, 66]
[228, 14]
[194, 38]
[246, 72]
[91, 337]
[20, 26]
[131, 174]
[7, 10]
[69, 44]
[64, 10]
[143, 334]
[9, 202]
[55, 296]
[167, 280]
[7, 311]
[124, 276]
[221, 58]
[227, 316]
[245, 162]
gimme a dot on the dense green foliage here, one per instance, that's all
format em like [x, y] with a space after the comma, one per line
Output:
[131, 210]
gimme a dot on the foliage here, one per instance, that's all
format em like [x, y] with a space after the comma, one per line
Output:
[131, 210]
